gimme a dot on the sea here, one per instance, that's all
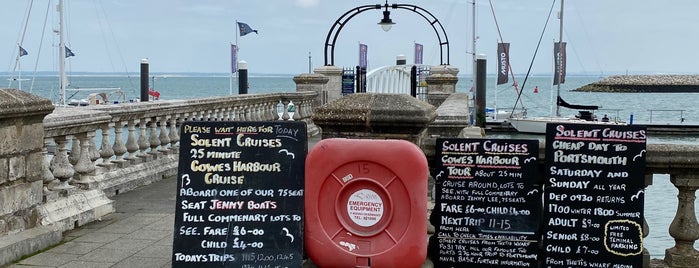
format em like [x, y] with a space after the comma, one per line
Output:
[639, 108]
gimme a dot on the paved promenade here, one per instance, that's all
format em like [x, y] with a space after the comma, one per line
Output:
[138, 234]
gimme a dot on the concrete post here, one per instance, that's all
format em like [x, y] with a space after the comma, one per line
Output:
[441, 83]
[313, 82]
[333, 88]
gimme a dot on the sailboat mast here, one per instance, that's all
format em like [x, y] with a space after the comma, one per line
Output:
[473, 44]
[560, 64]
[61, 56]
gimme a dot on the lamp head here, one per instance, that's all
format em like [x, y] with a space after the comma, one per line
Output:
[386, 22]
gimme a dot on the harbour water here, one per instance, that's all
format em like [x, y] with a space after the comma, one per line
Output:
[670, 108]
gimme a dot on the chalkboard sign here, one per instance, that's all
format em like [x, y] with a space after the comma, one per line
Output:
[593, 201]
[488, 205]
[240, 194]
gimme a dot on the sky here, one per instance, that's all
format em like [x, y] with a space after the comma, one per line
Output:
[604, 37]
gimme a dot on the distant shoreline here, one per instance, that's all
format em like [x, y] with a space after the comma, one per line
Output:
[645, 83]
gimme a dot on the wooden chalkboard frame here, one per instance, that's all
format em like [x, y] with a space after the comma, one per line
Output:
[240, 194]
[487, 197]
[593, 201]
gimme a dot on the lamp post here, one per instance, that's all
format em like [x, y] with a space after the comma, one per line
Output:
[386, 24]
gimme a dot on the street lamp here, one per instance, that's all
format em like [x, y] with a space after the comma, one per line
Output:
[386, 24]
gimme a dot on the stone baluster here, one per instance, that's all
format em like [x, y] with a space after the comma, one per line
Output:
[174, 135]
[106, 150]
[84, 167]
[271, 111]
[60, 166]
[254, 114]
[213, 114]
[244, 112]
[164, 138]
[154, 139]
[300, 113]
[143, 143]
[285, 116]
[132, 142]
[259, 112]
[229, 114]
[684, 227]
[46, 175]
[249, 112]
[74, 150]
[119, 148]
[93, 153]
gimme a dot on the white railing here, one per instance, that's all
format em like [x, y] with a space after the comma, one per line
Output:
[390, 79]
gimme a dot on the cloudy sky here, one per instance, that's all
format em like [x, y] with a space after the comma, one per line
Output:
[604, 37]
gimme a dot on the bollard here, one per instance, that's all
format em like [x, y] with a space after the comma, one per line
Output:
[480, 90]
[242, 77]
[144, 80]
[400, 59]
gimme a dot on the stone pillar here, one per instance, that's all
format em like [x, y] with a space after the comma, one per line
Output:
[333, 88]
[375, 116]
[313, 82]
[440, 83]
[21, 155]
[684, 227]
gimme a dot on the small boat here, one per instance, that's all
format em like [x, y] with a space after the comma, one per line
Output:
[586, 115]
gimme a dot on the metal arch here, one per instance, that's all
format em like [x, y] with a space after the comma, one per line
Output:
[342, 20]
[442, 43]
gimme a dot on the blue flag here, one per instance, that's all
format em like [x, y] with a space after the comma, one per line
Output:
[245, 28]
[22, 51]
[69, 53]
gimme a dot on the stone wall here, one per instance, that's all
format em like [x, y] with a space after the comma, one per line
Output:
[21, 158]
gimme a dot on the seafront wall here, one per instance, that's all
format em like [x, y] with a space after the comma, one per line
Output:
[89, 154]
[644, 83]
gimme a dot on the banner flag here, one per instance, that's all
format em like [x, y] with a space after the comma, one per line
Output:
[418, 53]
[503, 62]
[362, 55]
[245, 29]
[234, 58]
[559, 55]
[69, 53]
[22, 51]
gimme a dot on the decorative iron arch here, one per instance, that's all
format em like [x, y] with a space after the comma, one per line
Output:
[342, 20]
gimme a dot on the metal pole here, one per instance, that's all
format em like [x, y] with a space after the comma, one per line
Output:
[560, 63]
[61, 56]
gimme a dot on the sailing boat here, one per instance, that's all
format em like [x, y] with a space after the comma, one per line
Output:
[95, 95]
[537, 125]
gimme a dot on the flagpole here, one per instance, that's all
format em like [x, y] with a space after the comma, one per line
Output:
[237, 33]
[230, 77]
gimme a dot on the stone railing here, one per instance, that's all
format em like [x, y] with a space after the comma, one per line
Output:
[115, 148]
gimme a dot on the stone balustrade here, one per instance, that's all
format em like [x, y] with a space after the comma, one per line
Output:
[108, 142]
